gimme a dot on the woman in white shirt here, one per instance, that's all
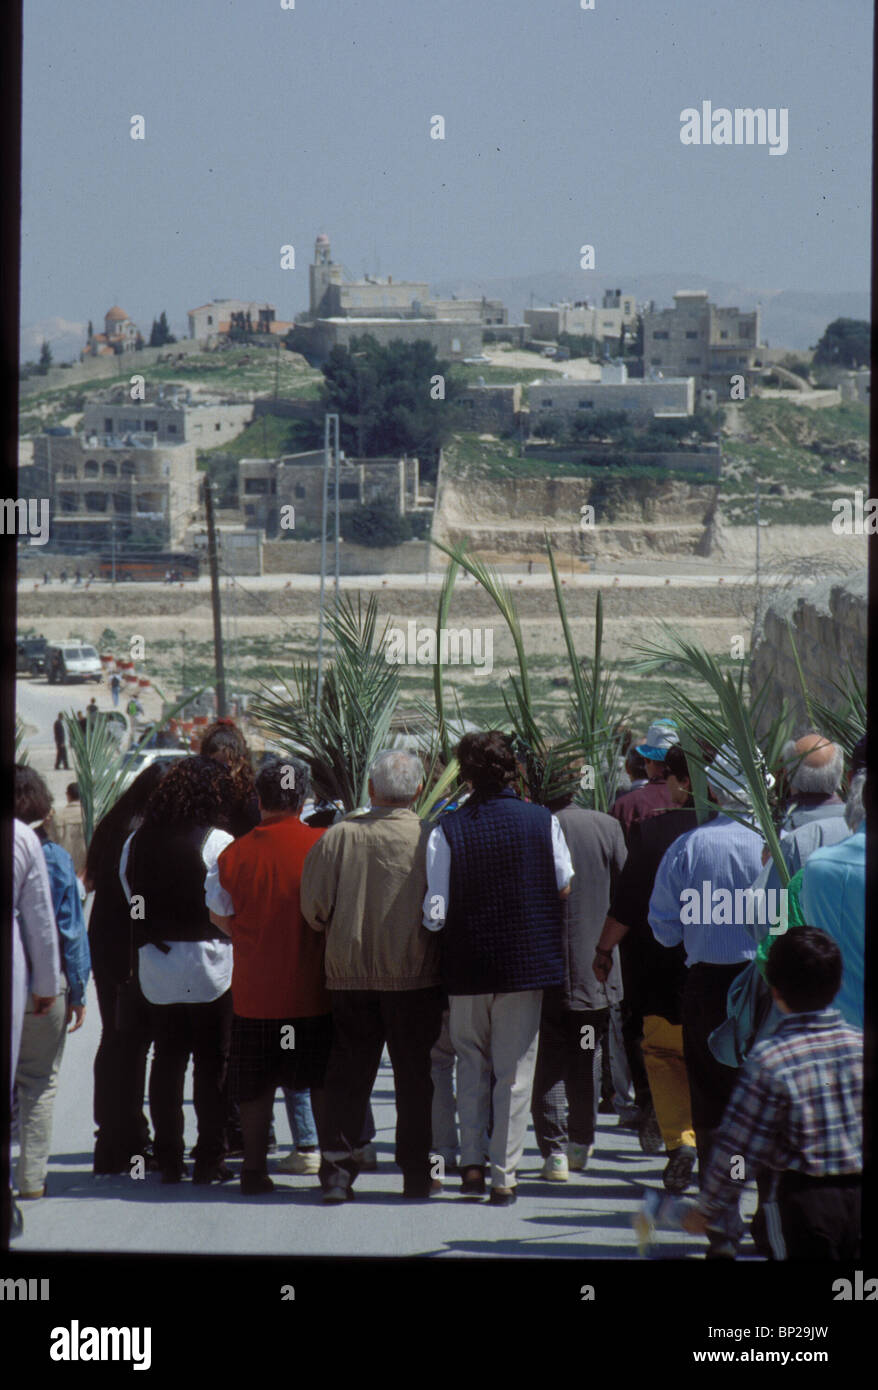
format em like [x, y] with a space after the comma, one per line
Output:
[184, 962]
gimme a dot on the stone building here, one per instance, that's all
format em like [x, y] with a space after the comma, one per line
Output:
[696, 338]
[267, 485]
[617, 310]
[103, 487]
[341, 308]
[494, 408]
[640, 398]
[211, 321]
[174, 417]
[120, 335]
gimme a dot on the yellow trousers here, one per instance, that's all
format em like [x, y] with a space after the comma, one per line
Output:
[662, 1049]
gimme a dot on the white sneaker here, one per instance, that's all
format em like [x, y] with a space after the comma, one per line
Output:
[367, 1157]
[296, 1162]
[578, 1156]
[555, 1168]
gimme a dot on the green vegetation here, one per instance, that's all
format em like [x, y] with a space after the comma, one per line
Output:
[384, 398]
[801, 458]
[845, 343]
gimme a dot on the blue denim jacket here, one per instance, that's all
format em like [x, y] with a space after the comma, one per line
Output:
[75, 955]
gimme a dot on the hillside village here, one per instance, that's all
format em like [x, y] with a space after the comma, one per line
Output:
[651, 444]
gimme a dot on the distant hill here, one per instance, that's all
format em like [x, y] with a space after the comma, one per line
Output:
[790, 318]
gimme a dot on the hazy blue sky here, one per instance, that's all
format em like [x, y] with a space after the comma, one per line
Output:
[265, 126]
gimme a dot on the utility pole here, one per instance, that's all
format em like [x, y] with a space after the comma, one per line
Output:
[113, 545]
[322, 560]
[758, 528]
[215, 600]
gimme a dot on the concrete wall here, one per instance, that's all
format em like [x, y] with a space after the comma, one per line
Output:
[452, 340]
[494, 408]
[830, 624]
[303, 557]
[96, 368]
[636, 397]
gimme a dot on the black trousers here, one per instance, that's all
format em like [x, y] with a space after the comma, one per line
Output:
[61, 756]
[409, 1021]
[820, 1217]
[202, 1031]
[565, 1075]
[710, 1082]
[120, 1072]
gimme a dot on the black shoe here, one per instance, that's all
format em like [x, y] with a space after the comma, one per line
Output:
[472, 1182]
[176, 1173]
[678, 1169]
[211, 1172]
[419, 1189]
[104, 1168]
[500, 1198]
[649, 1134]
[255, 1184]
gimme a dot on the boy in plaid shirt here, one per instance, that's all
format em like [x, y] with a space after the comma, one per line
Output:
[797, 1111]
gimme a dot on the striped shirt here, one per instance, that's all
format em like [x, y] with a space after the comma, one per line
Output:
[797, 1106]
[719, 858]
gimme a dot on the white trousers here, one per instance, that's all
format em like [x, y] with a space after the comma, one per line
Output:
[495, 1033]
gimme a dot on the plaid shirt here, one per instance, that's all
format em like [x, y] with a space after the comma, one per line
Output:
[797, 1105]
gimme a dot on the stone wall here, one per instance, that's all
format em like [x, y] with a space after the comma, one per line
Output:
[303, 557]
[830, 627]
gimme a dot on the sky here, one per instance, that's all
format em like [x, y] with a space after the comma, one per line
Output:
[265, 126]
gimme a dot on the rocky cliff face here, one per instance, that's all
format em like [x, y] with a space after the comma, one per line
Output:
[830, 627]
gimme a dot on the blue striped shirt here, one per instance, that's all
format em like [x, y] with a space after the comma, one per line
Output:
[708, 864]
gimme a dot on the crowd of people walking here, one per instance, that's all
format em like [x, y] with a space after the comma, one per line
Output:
[561, 960]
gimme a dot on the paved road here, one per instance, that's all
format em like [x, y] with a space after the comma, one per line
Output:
[590, 1216]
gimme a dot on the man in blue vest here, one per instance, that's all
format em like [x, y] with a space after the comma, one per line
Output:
[497, 869]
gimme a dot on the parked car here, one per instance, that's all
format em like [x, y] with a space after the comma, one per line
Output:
[72, 661]
[30, 656]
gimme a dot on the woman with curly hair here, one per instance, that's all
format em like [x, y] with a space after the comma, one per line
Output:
[126, 1022]
[184, 962]
[43, 1035]
[224, 743]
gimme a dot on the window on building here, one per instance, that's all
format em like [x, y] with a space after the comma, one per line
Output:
[547, 400]
[249, 509]
[210, 318]
[218, 427]
[257, 487]
[723, 334]
[91, 469]
[348, 492]
[455, 345]
[300, 489]
[661, 333]
[691, 333]
[743, 330]
[96, 501]
[69, 470]
[151, 426]
[110, 470]
[172, 429]
[108, 424]
[68, 501]
[586, 405]
[693, 361]
[128, 468]
[655, 361]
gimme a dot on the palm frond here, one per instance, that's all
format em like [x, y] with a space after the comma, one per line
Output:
[340, 739]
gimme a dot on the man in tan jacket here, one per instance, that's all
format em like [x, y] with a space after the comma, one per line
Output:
[363, 884]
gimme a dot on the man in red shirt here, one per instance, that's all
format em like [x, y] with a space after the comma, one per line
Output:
[282, 1024]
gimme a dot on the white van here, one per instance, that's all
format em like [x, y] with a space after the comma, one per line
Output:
[72, 661]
